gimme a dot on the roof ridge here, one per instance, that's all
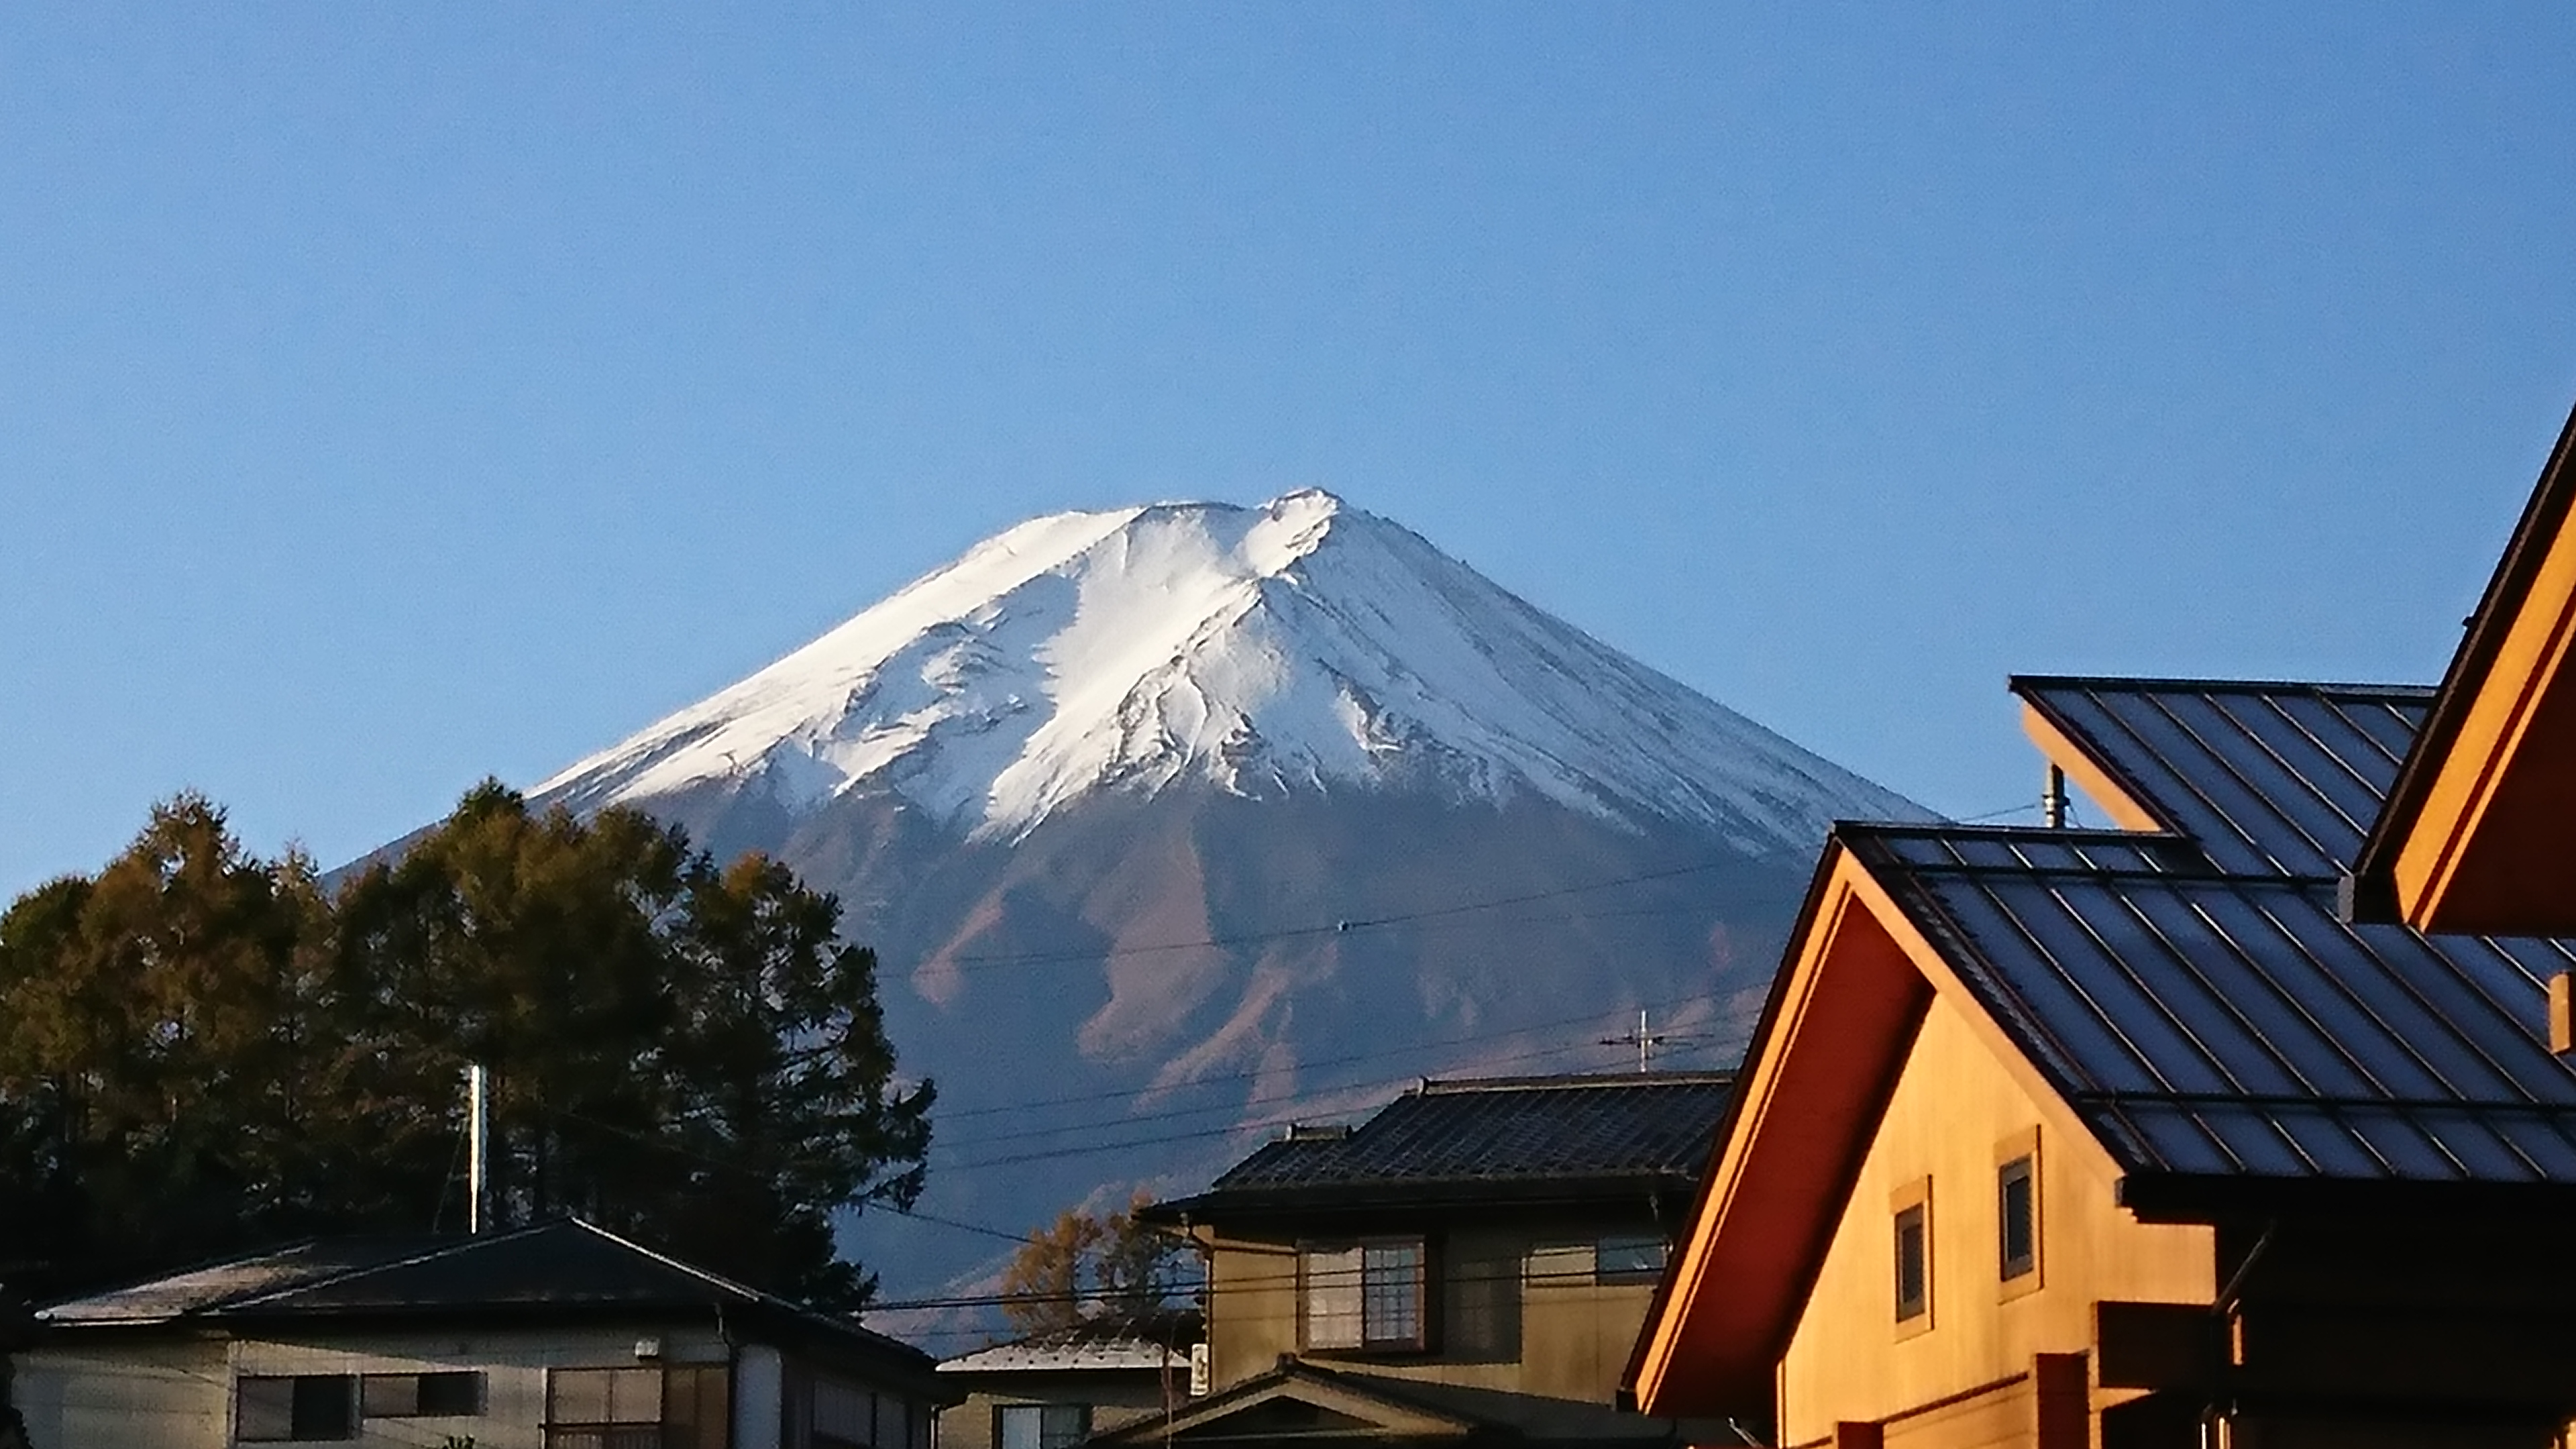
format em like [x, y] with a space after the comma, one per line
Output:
[438, 1250]
[2021, 683]
[1460, 1086]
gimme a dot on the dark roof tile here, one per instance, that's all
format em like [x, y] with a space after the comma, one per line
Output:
[1525, 1131]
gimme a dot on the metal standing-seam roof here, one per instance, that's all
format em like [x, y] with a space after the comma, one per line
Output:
[2197, 997]
[2267, 778]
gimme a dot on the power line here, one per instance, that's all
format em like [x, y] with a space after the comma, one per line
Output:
[1501, 1034]
[1334, 928]
[1347, 925]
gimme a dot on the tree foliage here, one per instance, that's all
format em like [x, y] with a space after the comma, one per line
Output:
[1086, 1265]
[202, 1051]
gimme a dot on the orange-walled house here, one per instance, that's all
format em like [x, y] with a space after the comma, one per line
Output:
[2475, 836]
[2126, 1136]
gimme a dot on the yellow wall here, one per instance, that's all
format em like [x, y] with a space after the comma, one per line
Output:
[1952, 1107]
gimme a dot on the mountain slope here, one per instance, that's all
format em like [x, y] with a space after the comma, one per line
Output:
[1169, 820]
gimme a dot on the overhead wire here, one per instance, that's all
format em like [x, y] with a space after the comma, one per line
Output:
[1343, 926]
[1232, 1104]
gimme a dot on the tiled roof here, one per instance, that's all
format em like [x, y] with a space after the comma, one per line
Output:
[1149, 1342]
[2197, 997]
[1652, 1127]
[2270, 778]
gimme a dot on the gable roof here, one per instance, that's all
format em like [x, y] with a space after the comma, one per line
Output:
[566, 1268]
[2210, 1024]
[1482, 1140]
[2471, 837]
[1302, 1400]
[2194, 1003]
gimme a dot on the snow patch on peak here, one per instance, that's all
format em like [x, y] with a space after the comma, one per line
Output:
[1295, 646]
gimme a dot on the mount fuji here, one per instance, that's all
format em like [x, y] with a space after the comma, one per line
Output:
[1172, 822]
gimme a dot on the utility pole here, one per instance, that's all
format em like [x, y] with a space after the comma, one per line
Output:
[478, 1149]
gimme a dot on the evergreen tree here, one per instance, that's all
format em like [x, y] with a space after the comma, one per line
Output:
[202, 1052]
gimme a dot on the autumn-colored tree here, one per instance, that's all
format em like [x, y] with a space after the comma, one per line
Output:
[1086, 1265]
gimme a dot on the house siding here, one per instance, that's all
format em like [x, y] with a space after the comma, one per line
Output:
[131, 1394]
[1515, 1309]
[1848, 1360]
[122, 1397]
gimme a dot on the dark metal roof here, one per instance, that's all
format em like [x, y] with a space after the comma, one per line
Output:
[562, 1267]
[2207, 1022]
[2267, 777]
[1646, 1128]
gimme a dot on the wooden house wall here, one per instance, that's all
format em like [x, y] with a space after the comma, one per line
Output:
[1954, 1105]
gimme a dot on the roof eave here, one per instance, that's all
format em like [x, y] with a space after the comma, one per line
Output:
[1335, 1202]
[2170, 1197]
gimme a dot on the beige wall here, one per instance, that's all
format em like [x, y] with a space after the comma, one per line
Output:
[175, 1394]
[1518, 1309]
[1116, 1399]
[1953, 1106]
[130, 1394]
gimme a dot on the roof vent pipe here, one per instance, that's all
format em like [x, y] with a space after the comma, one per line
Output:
[2052, 799]
[478, 1149]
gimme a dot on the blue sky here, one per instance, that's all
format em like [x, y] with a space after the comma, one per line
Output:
[394, 396]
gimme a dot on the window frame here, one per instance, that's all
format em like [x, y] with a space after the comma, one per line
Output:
[1604, 1276]
[349, 1422]
[2017, 1157]
[1371, 1338]
[1003, 1413]
[1910, 1208]
[558, 1428]
[470, 1379]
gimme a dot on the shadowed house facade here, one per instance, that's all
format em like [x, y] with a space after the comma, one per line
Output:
[2076, 1137]
[1058, 1388]
[2475, 836]
[557, 1336]
[1469, 1265]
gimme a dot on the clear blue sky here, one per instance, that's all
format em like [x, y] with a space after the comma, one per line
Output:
[394, 395]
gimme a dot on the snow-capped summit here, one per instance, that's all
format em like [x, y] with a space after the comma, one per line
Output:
[1303, 646]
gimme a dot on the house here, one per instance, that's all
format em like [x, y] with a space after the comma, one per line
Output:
[2126, 1137]
[2475, 834]
[1060, 1387]
[557, 1336]
[1471, 1263]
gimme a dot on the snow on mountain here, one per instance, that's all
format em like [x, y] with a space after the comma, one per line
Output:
[1300, 647]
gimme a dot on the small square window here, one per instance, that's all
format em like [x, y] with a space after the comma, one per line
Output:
[2017, 1218]
[1913, 1263]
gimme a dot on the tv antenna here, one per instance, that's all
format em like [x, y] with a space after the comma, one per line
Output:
[1643, 1039]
